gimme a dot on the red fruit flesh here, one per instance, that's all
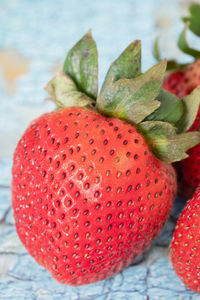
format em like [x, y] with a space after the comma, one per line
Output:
[185, 250]
[88, 195]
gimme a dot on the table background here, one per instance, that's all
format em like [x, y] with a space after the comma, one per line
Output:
[34, 39]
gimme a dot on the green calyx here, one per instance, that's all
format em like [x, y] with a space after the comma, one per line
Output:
[127, 98]
[183, 43]
[77, 84]
[81, 64]
[164, 141]
[194, 18]
[130, 95]
[65, 93]
[192, 23]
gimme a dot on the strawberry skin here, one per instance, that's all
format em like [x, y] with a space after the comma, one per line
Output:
[88, 195]
[172, 83]
[182, 83]
[191, 167]
[185, 246]
[191, 77]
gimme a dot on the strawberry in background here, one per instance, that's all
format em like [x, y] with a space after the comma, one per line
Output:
[181, 80]
[184, 250]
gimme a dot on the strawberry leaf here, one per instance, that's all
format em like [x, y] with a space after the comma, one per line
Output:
[163, 141]
[156, 50]
[171, 64]
[184, 46]
[128, 64]
[170, 109]
[191, 106]
[120, 98]
[64, 92]
[174, 65]
[81, 64]
[194, 18]
[139, 110]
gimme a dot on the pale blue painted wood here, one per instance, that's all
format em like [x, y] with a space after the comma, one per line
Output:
[43, 31]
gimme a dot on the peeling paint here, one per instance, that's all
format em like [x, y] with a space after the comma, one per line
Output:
[13, 65]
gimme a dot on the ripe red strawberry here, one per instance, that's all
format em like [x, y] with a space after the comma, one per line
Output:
[191, 167]
[172, 83]
[191, 78]
[181, 82]
[185, 246]
[88, 194]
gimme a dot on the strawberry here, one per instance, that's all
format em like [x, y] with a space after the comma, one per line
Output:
[191, 168]
[184, 250]
[92, 181]
[83, 214]
[172, 83]
[191, 78]
[181, 81]
[191, 165]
